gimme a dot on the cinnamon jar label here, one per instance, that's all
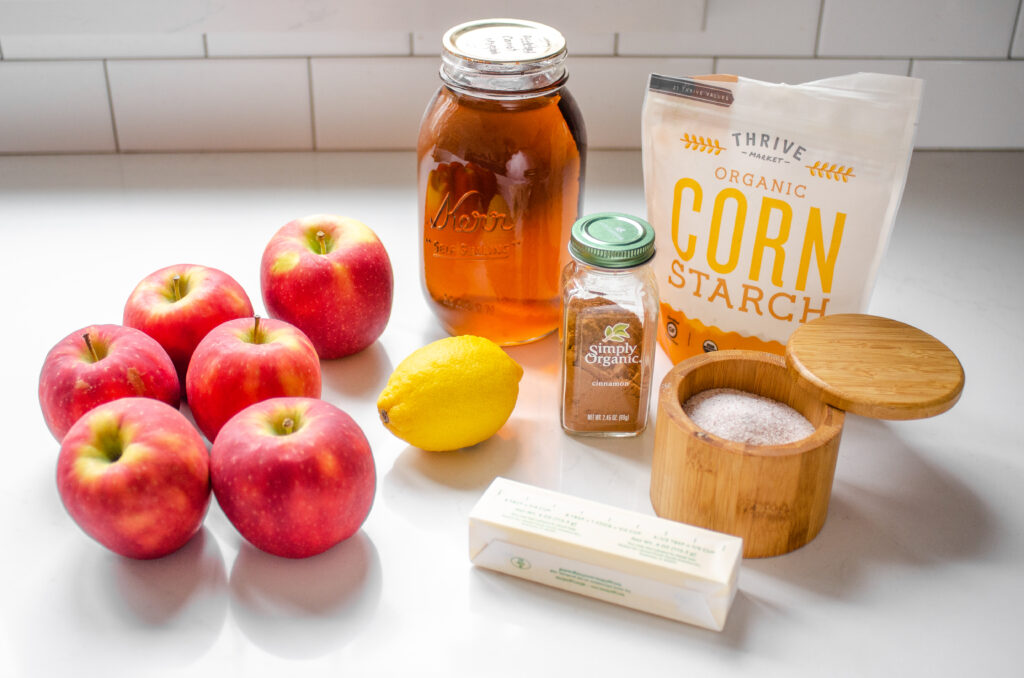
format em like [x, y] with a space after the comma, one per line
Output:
[603, 353]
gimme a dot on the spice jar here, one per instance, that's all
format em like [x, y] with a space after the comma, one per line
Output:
[610, 314]
[501, 157]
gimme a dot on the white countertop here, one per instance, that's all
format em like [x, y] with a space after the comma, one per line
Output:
[919, 570]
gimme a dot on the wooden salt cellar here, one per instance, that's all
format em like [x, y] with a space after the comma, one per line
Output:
[776, 496]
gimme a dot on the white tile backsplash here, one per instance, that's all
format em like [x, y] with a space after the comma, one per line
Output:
[308, 43]
[971, 104]
[917, 28]
[590, 44]
[209, 16]
[103, 46]
[1017, 49]
[610, 92]
[48, 107]
[733, 28]
[211, 104]
[575, 19]
[371, 104]
[796, 71]
[310, 74]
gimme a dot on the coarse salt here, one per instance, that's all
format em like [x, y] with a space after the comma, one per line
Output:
[746, 418]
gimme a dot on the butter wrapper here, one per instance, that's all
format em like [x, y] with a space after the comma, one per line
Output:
[650, 564]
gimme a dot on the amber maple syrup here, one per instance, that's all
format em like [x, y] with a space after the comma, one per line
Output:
[500, 185]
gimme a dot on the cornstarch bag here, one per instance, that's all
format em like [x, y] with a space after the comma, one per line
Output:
[772, 203]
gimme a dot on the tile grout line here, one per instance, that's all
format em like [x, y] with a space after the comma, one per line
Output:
[817, 35]
[312, 107]
[1016, 25]
[282, 151]
[110, 103]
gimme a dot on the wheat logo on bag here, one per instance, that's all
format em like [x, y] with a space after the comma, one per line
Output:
[772, 203]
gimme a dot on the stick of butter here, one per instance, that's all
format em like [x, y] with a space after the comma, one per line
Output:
[647, 563]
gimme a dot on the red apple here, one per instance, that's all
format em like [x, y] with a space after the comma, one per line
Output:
[180, 304]
[135, 475]
[100, 363]
[244, 361]
[330, 277]
[295, 476]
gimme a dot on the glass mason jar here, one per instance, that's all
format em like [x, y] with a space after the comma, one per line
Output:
[501, 157]
[609, 326]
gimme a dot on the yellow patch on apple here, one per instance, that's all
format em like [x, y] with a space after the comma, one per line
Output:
[282, 336]
[328, 465]
[344, 278]
[357, 231]
[341, 229]
[290, 383]
[285, 262]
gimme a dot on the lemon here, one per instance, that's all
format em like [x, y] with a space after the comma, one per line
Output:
[451, 393]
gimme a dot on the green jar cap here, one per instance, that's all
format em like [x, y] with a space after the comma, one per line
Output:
[611, 240]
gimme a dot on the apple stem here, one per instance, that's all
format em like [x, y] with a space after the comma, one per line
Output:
[176, 284]
[320, 238]
[257, 338]
[288, 425]
[92, 351]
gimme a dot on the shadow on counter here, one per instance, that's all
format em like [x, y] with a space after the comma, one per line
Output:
[306, 608]
[123, 615]
[905, 512]
[362, 375]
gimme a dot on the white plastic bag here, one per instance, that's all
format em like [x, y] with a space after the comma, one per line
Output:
[772, 203]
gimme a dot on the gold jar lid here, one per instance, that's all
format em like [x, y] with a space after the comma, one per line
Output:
[503, 41]
[503, 56]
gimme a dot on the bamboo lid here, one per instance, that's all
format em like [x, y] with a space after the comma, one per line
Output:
[875, 367]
